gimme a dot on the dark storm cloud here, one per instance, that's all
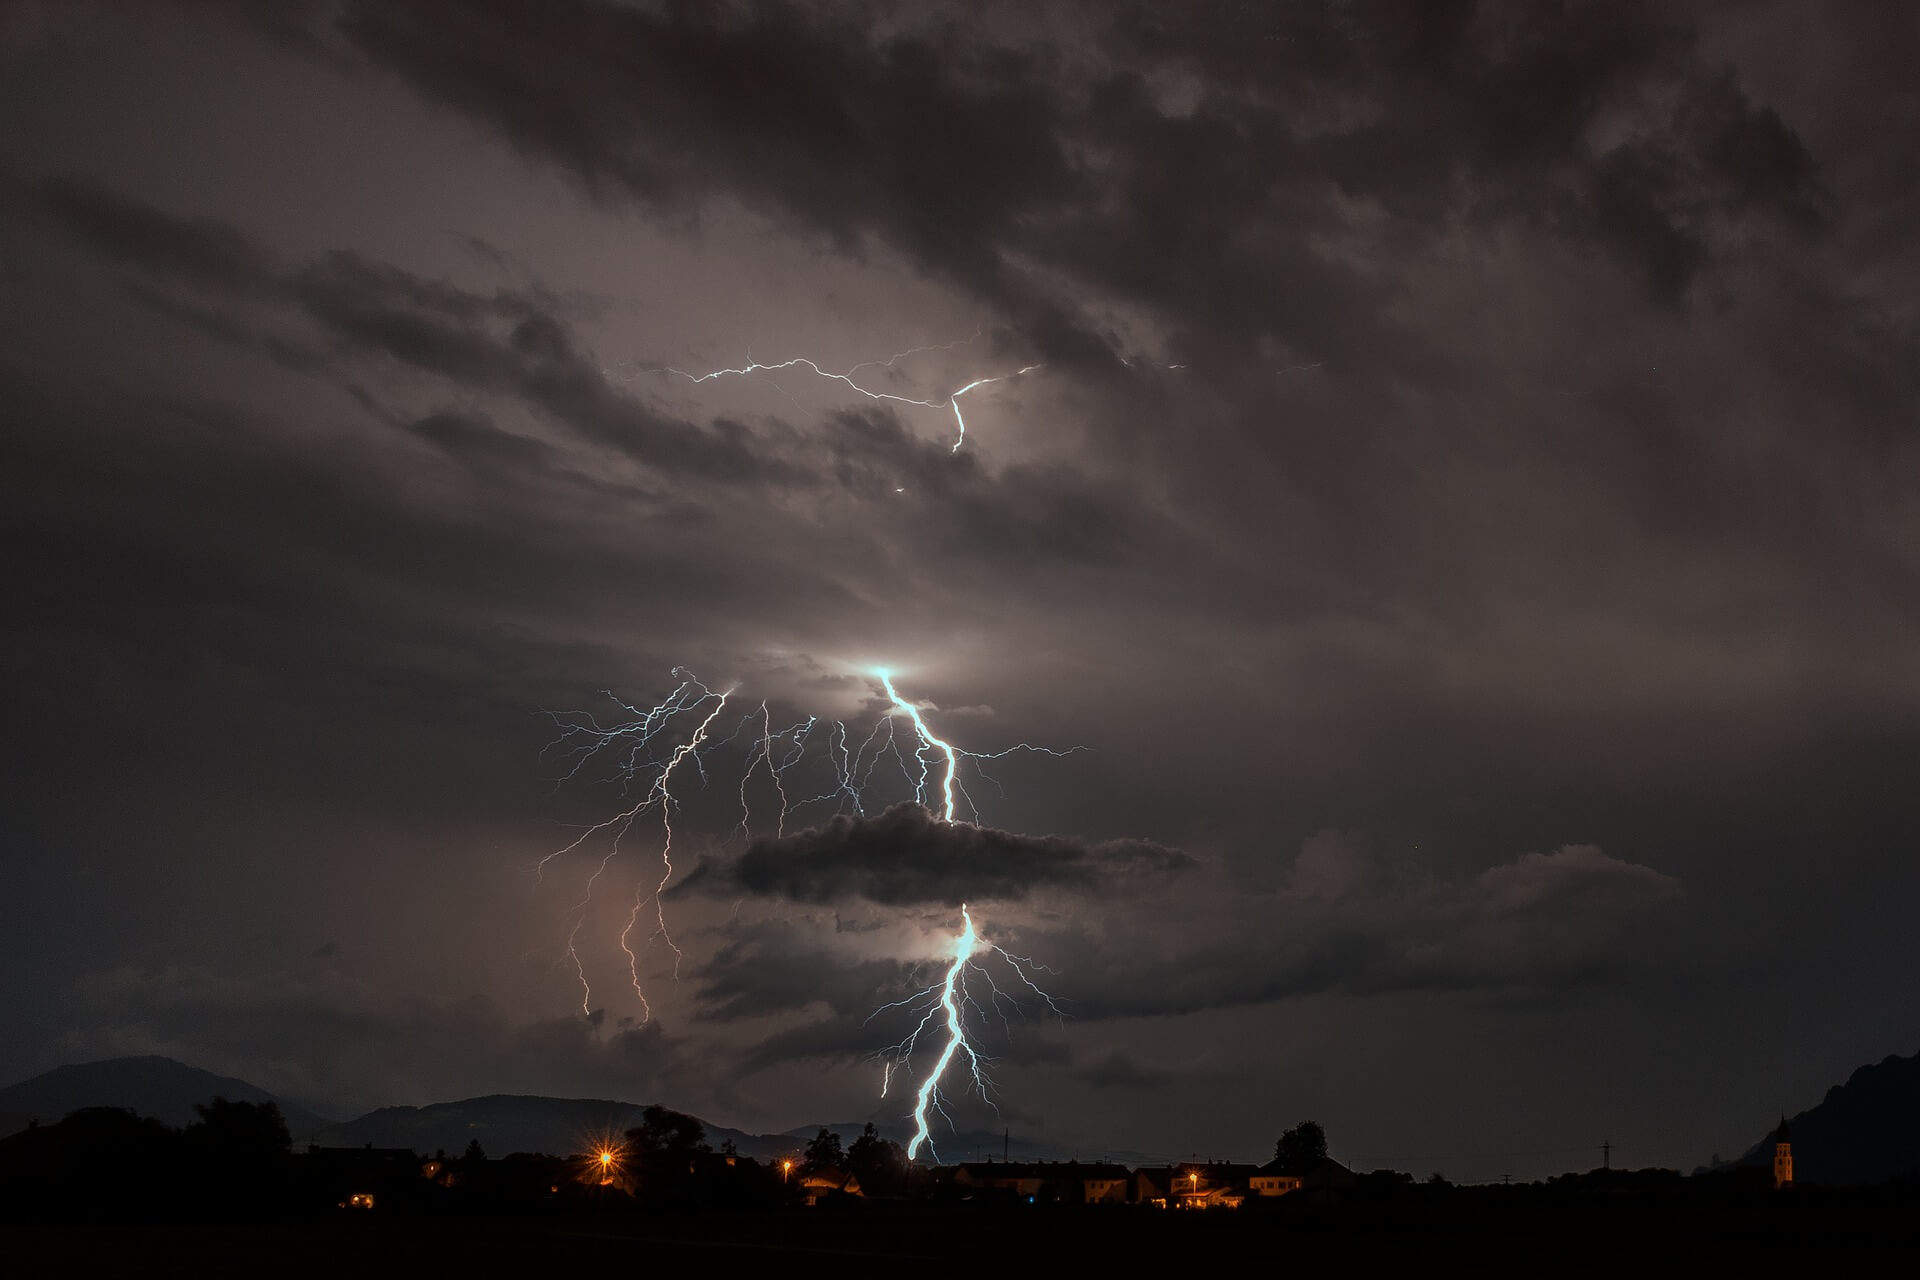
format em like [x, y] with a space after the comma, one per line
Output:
[1350, 921]
[937, 146]
[1119, 1071]
[967, 152]
[1538, 473]
[199, 250]
[733, 985]
[909, 857]
[507, 341]
[776, 967]
[515, 343]
[1347, 921]
[1344, 190]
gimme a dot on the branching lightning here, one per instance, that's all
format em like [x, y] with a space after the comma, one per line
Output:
[945, 1006]
[583, 739]
[927, 742]
[953, 997]
[950, 401]
[643, 749]
[967, 991]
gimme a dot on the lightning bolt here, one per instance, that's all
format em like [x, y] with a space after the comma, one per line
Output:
[931, 767]
[950, 401]
[583, 739]
[928, 742]
[665, 799]
[957, 1041]
[945, 1006]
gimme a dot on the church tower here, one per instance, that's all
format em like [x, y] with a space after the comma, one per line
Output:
[1782, 1156]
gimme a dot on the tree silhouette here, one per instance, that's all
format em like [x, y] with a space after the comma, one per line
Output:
[240, 1131]
[880, 1165]
[238, 1153]
[1301, 1147]
[667, 1132]
[823, 1153]
[475, 1153]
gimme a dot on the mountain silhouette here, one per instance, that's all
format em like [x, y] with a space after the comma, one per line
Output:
[506, 1122]
[1864, 1131]
[151, 1086]
[502, 1123]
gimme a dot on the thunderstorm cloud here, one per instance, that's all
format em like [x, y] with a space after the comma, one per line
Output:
[1466, 508]
[908, 857]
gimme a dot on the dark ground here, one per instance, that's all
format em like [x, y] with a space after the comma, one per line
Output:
[1487, 1230]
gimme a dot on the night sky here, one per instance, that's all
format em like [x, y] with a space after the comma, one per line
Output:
[1466, 512]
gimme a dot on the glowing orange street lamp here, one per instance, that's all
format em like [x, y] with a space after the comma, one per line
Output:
[786, 1167]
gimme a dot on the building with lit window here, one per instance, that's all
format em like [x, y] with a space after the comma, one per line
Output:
[1211, 1184]
[1047, 1182]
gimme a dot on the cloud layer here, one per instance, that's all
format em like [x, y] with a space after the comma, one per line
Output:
[908, 857]
[1463, 429]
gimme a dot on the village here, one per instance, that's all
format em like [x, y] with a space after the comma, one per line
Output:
[665, 1163]
[104, 1186]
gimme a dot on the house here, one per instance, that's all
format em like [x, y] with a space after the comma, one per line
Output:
[360, 1177]
[1211, 1184]
[1046, 1182]
[823, 1184]
[1274, 1179]
[1324, 1177]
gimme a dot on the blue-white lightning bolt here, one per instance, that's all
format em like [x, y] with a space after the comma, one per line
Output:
[944, 1009]
[950, 401]
[949, 1007]
[967, 992]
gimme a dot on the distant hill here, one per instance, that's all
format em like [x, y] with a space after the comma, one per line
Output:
[504, 1123]
[152, 1086]
[1864, 1131]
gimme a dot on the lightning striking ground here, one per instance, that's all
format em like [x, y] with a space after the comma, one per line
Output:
[945, 1008]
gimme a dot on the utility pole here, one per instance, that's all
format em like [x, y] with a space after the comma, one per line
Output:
[1006, 1144]
[1606, 1155]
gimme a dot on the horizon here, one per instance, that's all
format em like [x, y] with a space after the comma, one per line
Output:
[1140, 574]
[962, 1147]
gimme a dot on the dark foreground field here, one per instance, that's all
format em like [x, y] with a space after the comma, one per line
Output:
[1490, 1233]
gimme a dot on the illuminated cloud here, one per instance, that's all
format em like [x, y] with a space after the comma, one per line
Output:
[908, 857]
